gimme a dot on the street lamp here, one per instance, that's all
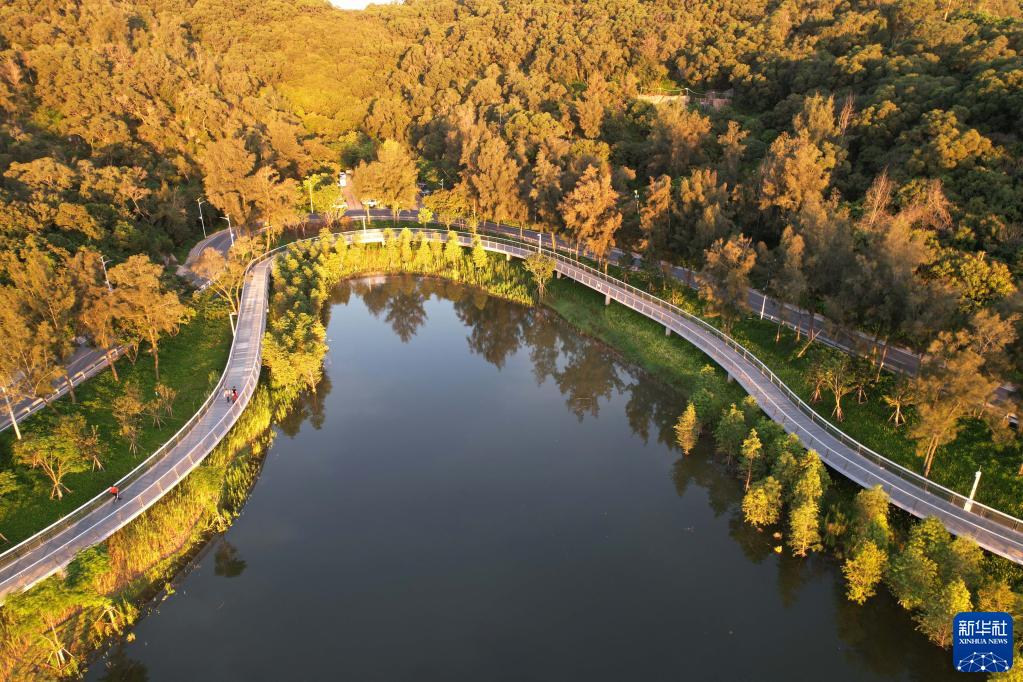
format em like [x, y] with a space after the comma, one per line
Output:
[230, 230]
[201, 220]
[973, 491]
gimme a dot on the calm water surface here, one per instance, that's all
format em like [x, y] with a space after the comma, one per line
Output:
[477, 492]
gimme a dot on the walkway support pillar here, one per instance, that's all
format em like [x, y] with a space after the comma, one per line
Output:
[607, 299]
[507, 256]
[667, 330]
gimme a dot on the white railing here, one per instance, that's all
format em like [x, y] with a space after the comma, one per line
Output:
[642, 301]
[190, 459]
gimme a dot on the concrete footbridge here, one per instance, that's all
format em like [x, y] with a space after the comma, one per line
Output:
[51, 549]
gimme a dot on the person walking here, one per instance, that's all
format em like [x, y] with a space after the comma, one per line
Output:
[227, 395]
[234, 395]
[115, 493]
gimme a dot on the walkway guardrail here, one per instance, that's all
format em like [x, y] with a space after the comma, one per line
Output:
[525, 247]
[205, 443]
[919, 480]
[642, 301]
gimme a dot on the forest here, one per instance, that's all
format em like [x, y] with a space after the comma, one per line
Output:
[859, 160]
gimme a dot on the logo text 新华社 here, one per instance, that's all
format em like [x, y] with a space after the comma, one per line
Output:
[982, 642]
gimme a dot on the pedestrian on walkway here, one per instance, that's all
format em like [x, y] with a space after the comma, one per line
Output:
[227, 395]
[234, 395]
[115, 493]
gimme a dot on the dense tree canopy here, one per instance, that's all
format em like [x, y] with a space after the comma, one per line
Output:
[858, 159]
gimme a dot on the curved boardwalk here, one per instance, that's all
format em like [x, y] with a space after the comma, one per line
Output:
[51, 549]
[992, 530]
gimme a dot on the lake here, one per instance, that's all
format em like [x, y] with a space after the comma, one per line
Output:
[478, 492]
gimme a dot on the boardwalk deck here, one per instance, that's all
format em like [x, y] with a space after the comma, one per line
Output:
[48, 552]
[52, 549]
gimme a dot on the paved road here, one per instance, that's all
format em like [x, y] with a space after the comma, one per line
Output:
[87, 362]
[996, 532]
[906, 489]
[897, 358]
[44, 554]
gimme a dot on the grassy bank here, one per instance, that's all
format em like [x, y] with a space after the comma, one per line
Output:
[99, 596]
[866, 421]
[877, 547]
[102, 592]
[190, 363]
[642, 341]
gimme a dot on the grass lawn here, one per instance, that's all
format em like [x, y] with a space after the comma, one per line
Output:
[639, 339]
[190, 363]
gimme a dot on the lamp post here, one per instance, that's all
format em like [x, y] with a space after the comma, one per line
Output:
[973, 491]
[230, 230]
[201, 219]
[10, 411]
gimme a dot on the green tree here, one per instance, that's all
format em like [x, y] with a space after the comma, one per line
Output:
[27, 365]
[100, 318]
[979, 280]
[479, 255]
[162, 404]
[655, 217]
[793, 173]
[730, 432]
[494, 181]
[46, 294]
[591, 214]
[863, 571]
[870, 518]
[541, 268]
[148, 310]
[405, 247]
[424, 256]
[55, 454]
[687, 429]
[762, 503]
[545, 190]
[8, 486]
[705, 215]
[453, 251]
[725, 284]
[789, 282]
[293, 350]
[750, 451]
[935, 618]
[804, 528]
[391, 179]
[958, 377]
[927, 561]
[678, 137]
[836, 375]
[127, 410]
[812, 480]
[226, 275]
[73, 429]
